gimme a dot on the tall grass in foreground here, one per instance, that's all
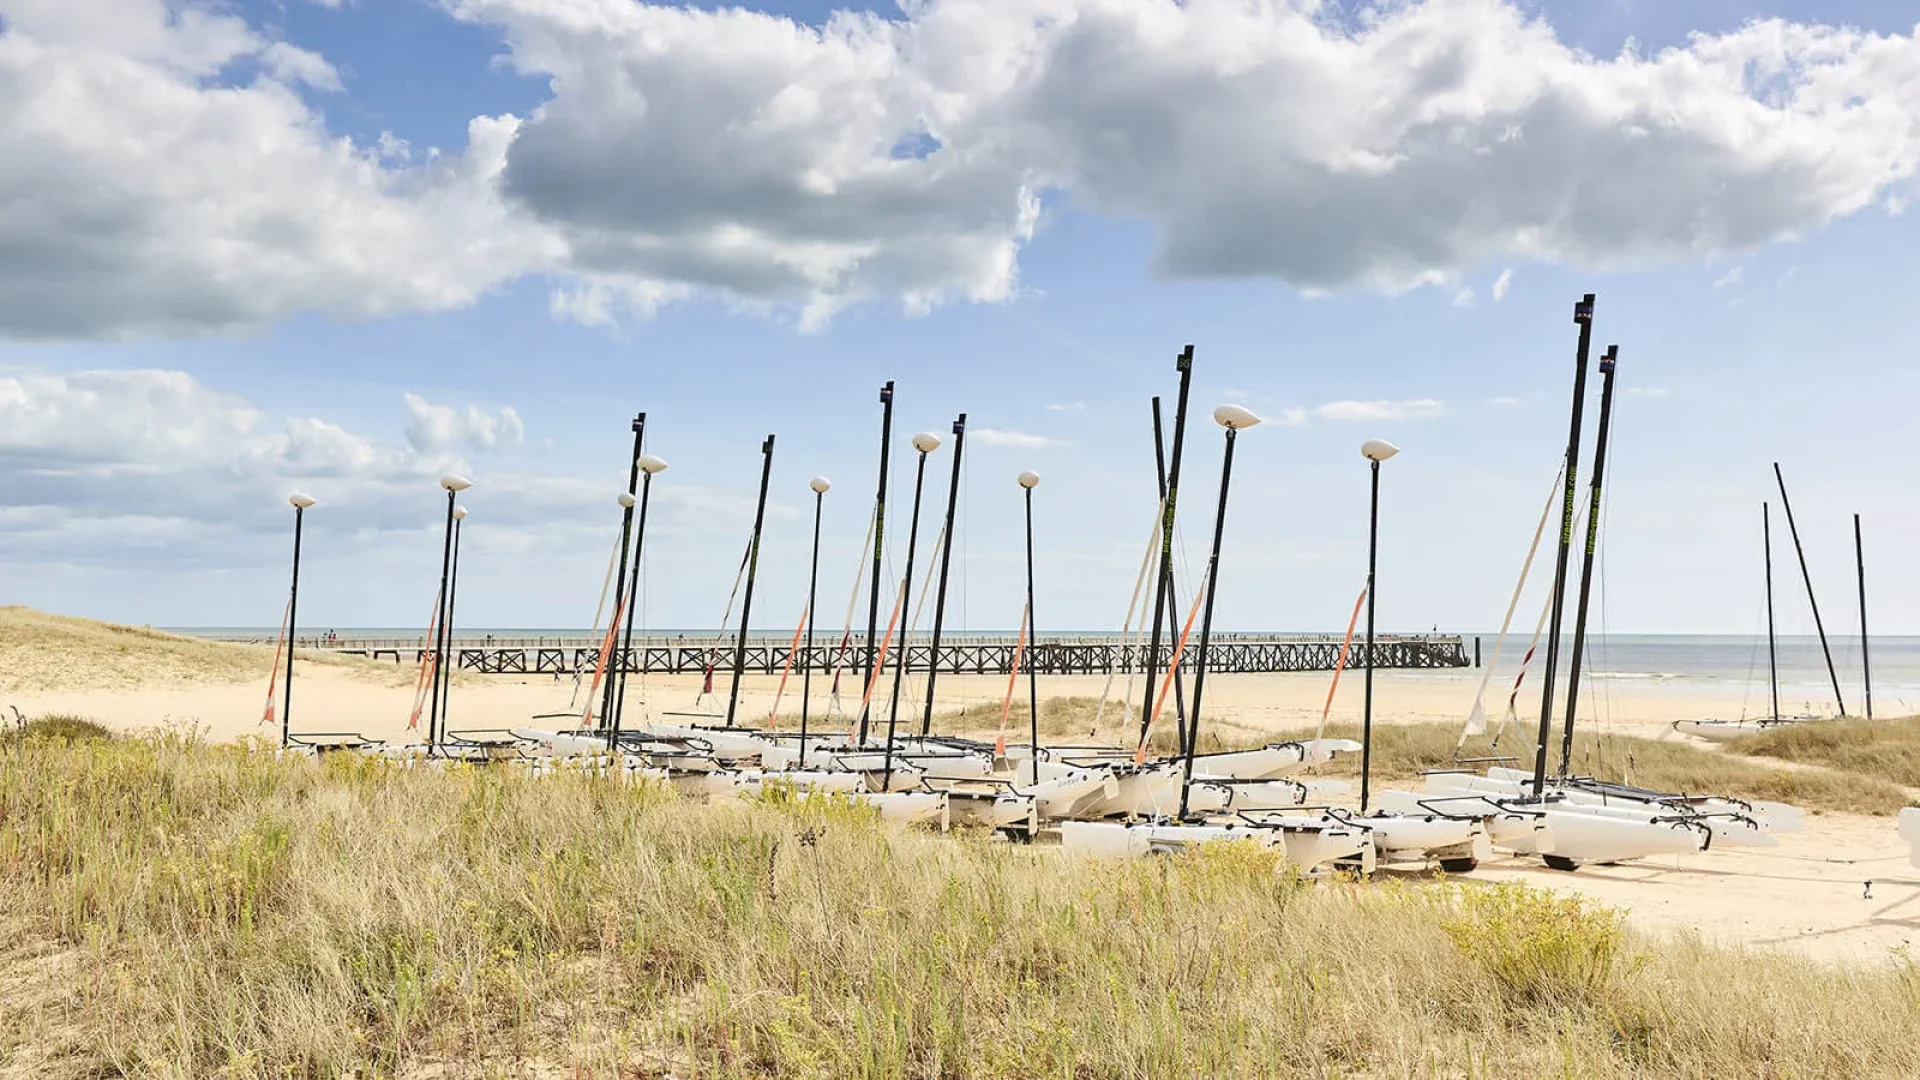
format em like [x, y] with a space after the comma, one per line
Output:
[177, 910]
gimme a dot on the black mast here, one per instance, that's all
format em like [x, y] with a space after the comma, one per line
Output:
[440, 623]
[906, 602]
[946, 561]
[1582, 315]
[1586, 565]
[1206, 618]
[753, 565]
[453, 594]
[651, 466]
[1028, 481]
[300, 504]
[879, 546]
[1773, 657]
[1164, 580]
[1794, 531]
[1860, 568]
[819, 486]
[1173, 617]
[607, 696]
[1375, 453]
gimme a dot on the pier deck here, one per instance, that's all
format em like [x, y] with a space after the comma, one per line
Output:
[961, 655]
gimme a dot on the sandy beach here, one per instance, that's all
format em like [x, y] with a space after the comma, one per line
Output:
[1809, 895]
[376, 698]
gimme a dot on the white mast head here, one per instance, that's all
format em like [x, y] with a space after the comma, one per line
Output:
[820, 485]
[650, 464]
[1378, 450]
[1234, 417]
[300, 500]
[1029, 479]
[459, 513]
[626, 500]
[926, 442]
[455, 483]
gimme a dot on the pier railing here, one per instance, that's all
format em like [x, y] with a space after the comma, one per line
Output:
[975, 654]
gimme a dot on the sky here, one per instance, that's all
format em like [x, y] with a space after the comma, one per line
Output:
[348, 246]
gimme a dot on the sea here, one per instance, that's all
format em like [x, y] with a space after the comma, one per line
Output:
[1721, 665]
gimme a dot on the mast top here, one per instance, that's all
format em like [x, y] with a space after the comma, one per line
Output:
[1029, 479]
[926, 442]
[453, 482]
[639, 422]
[459, 513]
[1583, 309]
[886, 393]
[627, 500]
[650, 464]
[1378, 450]
[1234, 417]
[820, 485]
[300, 500]
[1607, 361]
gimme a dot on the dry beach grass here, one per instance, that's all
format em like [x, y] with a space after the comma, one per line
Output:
[42, 652]
[183, 910]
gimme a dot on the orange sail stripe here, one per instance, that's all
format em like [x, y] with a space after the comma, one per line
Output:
[1341, 664]
[429, 661]
[880, 661]
[273, 677]
[788, 668]
[1006, 704]
[600, 669]
[1179, 649]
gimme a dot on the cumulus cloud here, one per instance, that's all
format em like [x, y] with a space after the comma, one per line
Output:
[1390, 149]
[1021, 439]
[92, 462]
[169, 175]
[165, 176]
[437, 429]
[1417, 408]
[1501, 284]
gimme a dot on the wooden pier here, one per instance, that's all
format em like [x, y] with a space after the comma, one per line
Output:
[959, 655]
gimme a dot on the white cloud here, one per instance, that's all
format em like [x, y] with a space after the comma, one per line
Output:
[1416, 408]
[437, 429]
[1393, 149]
[97, 464]
[1463, 297]
[165, 176]
[1070, 406]
[1505, 402]
[1021, 439]
[1731, 277]
[1501, 284]
[169, 177]
[1294, 416]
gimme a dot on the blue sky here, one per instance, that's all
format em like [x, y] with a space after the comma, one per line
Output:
[255, 286]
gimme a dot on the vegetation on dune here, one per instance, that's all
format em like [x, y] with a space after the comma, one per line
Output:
[175, 909]
[1886, 749]
[41, 653]
[1866, 765]
[1402, 751]
[54, 726]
